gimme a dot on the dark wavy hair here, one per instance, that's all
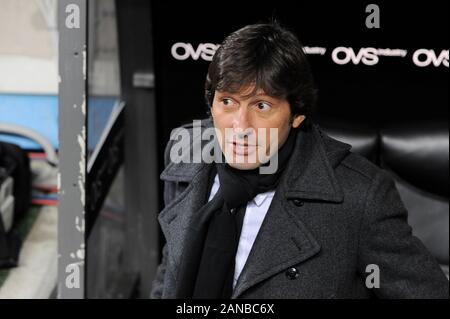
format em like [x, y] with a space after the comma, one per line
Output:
[269, 56]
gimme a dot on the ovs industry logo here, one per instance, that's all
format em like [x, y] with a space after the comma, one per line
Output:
[340, 55]
[424, 57]
[183, 51]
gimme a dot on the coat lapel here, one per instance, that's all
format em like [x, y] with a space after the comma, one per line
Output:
[281, 242]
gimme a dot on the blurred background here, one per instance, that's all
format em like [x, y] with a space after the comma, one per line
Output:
[28, 146]
[383, 90]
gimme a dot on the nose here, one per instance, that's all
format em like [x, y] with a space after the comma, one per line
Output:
[241, 123]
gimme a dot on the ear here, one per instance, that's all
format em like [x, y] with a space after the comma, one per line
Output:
[297, 120]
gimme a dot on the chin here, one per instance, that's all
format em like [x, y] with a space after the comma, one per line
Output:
[244, 166]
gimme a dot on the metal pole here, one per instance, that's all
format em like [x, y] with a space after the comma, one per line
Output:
[72, 146]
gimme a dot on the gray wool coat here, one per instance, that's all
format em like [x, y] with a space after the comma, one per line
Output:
[333, 217]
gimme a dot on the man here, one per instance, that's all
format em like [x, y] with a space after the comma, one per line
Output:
[308, 226]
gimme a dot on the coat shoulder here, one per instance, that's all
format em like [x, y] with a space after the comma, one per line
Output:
[359, 177]
[341, 156]
[180, 167]
[351, 168]
[361, 165]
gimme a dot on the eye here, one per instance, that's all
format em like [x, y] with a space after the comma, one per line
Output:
[227, 102]
[263, 106]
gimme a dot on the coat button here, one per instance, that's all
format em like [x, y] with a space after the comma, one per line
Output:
[292, 273]
[298, 202]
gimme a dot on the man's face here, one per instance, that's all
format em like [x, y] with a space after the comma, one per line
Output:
[237, 118]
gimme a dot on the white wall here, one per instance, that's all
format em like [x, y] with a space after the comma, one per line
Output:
[28, 47]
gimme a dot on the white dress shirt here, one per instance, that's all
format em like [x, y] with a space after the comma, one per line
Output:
[254, 215]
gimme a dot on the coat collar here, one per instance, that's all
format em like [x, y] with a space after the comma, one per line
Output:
[310, 173]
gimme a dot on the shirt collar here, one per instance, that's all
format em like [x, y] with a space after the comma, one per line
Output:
[261, 198]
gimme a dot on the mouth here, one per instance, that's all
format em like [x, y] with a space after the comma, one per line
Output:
[242, 148]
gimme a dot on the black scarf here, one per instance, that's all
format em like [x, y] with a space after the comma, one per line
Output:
[209, 266]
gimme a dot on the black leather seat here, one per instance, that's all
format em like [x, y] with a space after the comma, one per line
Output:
[364, 139]
[417, 156]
